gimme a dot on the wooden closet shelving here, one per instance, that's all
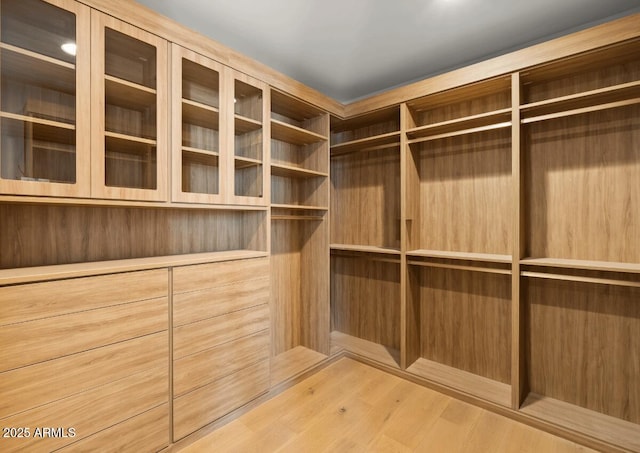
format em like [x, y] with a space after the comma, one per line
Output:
[475, 231]
[579, 266]
[365, 235]
[299, 233]
[458, 287]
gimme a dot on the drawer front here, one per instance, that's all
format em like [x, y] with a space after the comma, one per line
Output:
[196, 370]
[36, 385]
[33, 301]
[202, 335]
[203, 276]
[91, 411]
[49, 338]
[202, 304]
[145, 432]
[206, 404]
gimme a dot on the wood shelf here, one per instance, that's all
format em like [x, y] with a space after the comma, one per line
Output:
[365, 249]
[608, 266]
[462, 381]
[245, 162]
[35, 120]
[292, 363]
[580, 111]
[128, 94]
[200, 114]
[63, 271]
[594, 424]
[128, 143]
[244, 124]
[373, 351]
[592, 98]
[36, 69]
[456, 133]
[204, 152]
[62, 201]
[291, 171]
[465, 256]
[292, 134]
[298, 207]
[367, 144]
[461, 124]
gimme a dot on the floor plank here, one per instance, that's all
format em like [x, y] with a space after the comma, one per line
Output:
[352, 407]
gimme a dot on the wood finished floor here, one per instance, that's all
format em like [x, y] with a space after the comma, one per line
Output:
[353, 407]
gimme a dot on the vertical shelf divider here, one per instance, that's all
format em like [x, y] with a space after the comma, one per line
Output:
[518, 363]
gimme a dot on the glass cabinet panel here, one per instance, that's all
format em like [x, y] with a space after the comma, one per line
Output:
[196, 82]
[40, 94]
[130, 110]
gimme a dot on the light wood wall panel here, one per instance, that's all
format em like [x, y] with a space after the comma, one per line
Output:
[46, 235]
[465, 321]
[582, 186]
[465, 194]
[91, 411]
[285, 285]
[314, 284]
[365, 299]
[204, 405]
[45, 339]
[583, 345]
[365, 199]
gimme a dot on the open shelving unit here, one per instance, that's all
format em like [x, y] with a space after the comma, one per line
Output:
[365, 235]
[459, 238]
[579, 271]
[299, 236]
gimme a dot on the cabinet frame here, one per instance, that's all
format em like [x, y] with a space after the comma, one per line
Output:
[179, 53]
[99, 23]
[82, 186]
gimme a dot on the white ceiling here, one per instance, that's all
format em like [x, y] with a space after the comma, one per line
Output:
[349, 49]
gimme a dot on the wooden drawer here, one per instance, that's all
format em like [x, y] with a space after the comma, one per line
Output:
[202, 335]
[91, 411]
[49, 338]
[22, 303]
[198, 305]
[203, 276]
[206, 404]
[204, 367]
[32, 386]
[145, 432]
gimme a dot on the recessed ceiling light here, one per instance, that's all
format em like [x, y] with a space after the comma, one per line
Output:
[69, 48]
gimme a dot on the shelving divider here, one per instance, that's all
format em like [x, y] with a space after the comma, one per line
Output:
[518, 313]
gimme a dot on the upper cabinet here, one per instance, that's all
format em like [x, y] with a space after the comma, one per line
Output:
[248, 138]
[197, 119]
[44, 98]
[129, 127]
[219, 138]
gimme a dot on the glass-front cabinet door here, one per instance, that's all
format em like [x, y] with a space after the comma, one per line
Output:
[249, 140]
[197, 119]
[129, 111]
[44, 98]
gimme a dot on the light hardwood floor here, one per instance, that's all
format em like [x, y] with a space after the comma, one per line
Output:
[353, 407]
